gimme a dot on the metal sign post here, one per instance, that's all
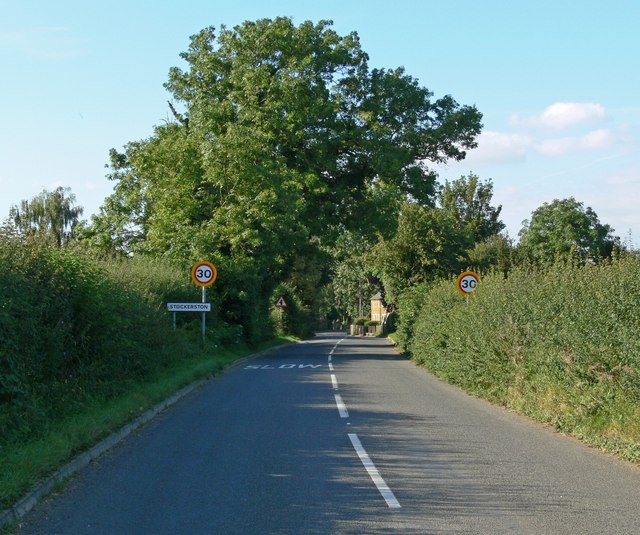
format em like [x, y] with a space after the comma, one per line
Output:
[190, 307]
[203, 274]
[204, 314]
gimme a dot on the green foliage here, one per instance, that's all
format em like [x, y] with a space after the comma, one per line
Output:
[409, 304]
[294, 319]
[72, 329]
[429, 244]
[283, 141]
[565, 229]
[353, 287]
[468, 201]
[50, 216]
[560, 345]
[496, 252]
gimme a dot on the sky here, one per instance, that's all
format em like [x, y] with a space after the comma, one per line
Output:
[557, 82]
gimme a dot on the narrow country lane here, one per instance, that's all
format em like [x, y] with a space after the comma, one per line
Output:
[342, 435]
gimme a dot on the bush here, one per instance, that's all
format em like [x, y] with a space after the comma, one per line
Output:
[294, 319]
[561, 345]
[410, 303]
[73, 329]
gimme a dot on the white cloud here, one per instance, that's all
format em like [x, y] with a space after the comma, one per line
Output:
[594, 140]
[499, 147]
[563, 114]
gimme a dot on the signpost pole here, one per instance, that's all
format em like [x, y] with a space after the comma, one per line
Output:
[204, 298]
[203, 274]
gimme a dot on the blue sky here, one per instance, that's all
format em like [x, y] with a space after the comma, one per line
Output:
[558, 83]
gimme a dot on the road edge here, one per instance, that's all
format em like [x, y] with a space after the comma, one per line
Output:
[42, 489]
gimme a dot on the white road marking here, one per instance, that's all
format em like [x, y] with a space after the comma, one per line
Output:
[282, 366]
[330, 367]
[334, 382]
[342, 408]
[375, 476]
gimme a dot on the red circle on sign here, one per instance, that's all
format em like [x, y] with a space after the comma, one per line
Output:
[204, 273]
[467, 282]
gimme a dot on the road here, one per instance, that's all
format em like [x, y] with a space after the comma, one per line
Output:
[342, 435]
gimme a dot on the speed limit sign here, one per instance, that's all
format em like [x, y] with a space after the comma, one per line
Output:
[204, 273]
[467, 282]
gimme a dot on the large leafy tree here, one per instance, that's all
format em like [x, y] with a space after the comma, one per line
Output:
[566, 229]
[287, 130]
[50, 216]
[282, 140]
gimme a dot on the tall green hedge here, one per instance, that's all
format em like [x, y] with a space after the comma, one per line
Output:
[561, 345]
[72, 329]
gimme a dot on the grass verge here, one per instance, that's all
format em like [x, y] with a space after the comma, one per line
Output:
[24, 464]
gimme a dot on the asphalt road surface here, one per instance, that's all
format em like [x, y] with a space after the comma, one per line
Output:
[342, 435]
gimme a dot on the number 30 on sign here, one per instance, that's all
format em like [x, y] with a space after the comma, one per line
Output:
[467, 282]
[204, 273]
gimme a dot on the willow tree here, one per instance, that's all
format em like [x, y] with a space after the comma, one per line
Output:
[50, 216]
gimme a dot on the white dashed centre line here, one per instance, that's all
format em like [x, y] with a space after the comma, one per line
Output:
[375, 476]
[342, 408]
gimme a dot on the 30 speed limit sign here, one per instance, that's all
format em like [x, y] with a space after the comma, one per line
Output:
[467, 282]
[204, 273]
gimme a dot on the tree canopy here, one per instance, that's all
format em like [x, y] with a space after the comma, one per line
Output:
[281, 141]
[429, 244]
[468, 201]
[282, 132]
[565, 228]
[51, 216]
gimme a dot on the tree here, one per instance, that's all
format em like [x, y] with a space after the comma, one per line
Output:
[50, 216]
[494, 252]
[353, 285]
[429, 244]
[291, 120]
[282, 139]
[564, 228]
[468, 200]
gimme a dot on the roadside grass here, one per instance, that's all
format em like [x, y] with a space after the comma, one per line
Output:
[24, 463]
